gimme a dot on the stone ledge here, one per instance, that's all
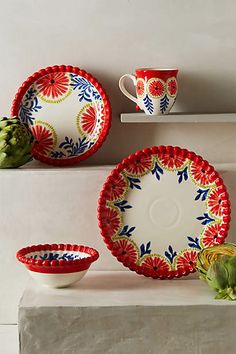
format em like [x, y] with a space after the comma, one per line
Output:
[122, 313]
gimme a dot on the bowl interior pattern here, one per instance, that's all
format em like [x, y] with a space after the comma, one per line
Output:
[57, 258]
[57, 255]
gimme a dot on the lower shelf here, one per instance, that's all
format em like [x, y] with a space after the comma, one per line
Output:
[122, 288]
[121, 312]
[9, 339]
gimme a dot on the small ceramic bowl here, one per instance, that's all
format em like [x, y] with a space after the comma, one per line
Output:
[57, 265]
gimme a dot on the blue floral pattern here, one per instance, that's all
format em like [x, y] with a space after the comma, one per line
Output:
[202, 194]
[164, 103]
[170, 254]
[157, 171]
[85, 88]
[183, 175]
[51, 256]
[123, 205]
[148, 104]
[134, 183]
[127, 231]
[145, 249]
[194, 242]
[205, 219]
[29, 106]
[71, 148]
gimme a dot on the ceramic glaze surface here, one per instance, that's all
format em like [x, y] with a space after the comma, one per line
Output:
[67, 112]
[161, 206]
[57, 280]
[167, 209]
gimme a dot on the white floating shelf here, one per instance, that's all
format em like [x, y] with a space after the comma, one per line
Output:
[179, 118]
[37, 167]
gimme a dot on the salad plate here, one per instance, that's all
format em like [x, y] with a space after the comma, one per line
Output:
[67, 111]
[159, 207]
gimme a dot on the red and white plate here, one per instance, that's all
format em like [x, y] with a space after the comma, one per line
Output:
[67, 111]
[159, 207]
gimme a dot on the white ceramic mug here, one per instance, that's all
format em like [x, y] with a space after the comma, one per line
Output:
[156, 89]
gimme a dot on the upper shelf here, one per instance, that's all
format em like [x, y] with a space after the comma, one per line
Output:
[179, 118]
[38, 167]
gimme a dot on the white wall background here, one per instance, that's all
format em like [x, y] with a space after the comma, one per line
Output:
[109, 38]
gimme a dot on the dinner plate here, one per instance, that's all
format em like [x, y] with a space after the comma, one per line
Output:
[67, 111]
[159, 207]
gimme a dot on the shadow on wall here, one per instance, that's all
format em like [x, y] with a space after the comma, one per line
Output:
[198, 93]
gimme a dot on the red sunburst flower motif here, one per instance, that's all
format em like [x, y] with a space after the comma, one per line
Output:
[171, 161]
[53, 85]
[156, 264]
[156, 88]
[187, 260]
[199, 174]
[125, 251]
[110, 221]
[43, 139]
[211, 235]
[140, 87]
[116, 188]
[140, 165]
[88, 119]
[172, 86]
[214, 202]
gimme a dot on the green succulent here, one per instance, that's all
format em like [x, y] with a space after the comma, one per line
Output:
[16, 143]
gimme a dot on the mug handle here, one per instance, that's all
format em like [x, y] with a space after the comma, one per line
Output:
[123, 89]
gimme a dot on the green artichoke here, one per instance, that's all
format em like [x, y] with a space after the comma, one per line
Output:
[216, 276]
[217, 266]
[16, 143]
[211, 254]
[221, 276]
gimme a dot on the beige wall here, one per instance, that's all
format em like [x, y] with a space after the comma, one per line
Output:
[109, 38]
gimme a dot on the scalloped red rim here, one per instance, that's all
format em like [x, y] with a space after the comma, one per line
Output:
[57, 266]
[107, 111]
[120, 250]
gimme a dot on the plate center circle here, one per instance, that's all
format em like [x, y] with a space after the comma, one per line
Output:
[164, 212]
